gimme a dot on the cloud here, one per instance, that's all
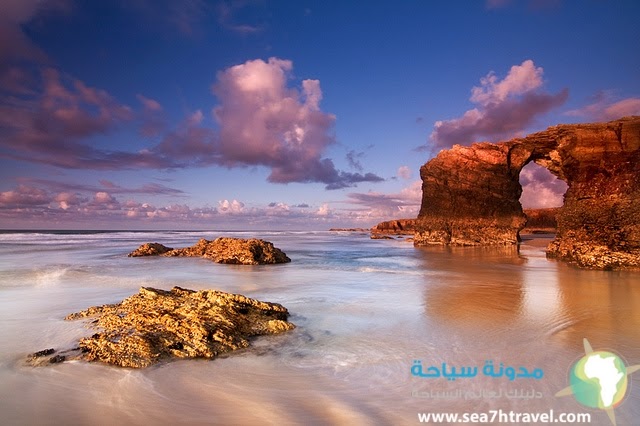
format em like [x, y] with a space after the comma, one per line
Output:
[29, 205]
[504, 108]
[148, 103]
[230, 207]
[380, 206]
[15, 45]
[105, 185]
[261, 121]
[404, 172]
[353, 158]
[264, 122]
[324, 210]
[24, 196]
[52, 126]
[604, 108]
[540, 188]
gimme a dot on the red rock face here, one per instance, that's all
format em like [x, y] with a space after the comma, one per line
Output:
[395, 227]
[471, 194]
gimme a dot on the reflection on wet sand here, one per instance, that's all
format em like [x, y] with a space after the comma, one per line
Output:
[600, 305]
[479, 287]
[488, 290]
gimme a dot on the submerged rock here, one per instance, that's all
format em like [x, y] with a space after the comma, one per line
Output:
[150, 249]
[251, 251]
[155, 325]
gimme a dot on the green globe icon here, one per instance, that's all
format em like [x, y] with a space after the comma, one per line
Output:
[599, 380]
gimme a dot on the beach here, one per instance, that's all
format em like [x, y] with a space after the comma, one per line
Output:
[366, 311]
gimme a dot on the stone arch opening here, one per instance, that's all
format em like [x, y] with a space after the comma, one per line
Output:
[541, 189]
[471, 194]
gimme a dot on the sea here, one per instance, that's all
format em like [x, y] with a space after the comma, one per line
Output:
[386, 333]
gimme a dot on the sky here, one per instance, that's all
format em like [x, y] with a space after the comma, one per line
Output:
[260, 115]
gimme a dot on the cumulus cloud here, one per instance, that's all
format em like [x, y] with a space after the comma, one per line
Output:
[540, 189]
[265, 122]
[24, 196]
[605, 107]
[504, 108]
[324, 210]
[230, 207]
[261, 121]
[31, 204]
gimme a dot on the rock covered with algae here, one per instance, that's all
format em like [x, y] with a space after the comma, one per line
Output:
[155, 325]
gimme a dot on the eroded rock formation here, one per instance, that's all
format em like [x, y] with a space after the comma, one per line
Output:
[221, 250]
[154, 325]
[471, 193]
[395, 227]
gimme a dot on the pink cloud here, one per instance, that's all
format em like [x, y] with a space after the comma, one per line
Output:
[540, 189]
[504, 108]
[24, 196]
[51, 127]
[28, 205]
[381, 206]
[604, 108]
[261, 121]
[148, 103]
[67, 200]
[265, 122]
[230, 207]
[105, 185]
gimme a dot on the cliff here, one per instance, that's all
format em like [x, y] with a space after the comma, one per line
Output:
[470, 194]
[395, 227]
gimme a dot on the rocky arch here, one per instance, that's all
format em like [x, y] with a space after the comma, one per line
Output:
[470, 194]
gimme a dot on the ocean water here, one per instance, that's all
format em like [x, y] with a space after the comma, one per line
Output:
[366, 311]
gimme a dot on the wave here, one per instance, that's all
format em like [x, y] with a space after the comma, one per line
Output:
[369, 269]
[50, 276]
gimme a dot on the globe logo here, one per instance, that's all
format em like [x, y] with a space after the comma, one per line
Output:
[599, 380]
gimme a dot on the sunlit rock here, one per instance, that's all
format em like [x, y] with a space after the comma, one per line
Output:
[251, 251]
[156, 325]
[471, 193]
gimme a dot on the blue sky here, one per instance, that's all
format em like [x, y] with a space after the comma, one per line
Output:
[200, 114]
